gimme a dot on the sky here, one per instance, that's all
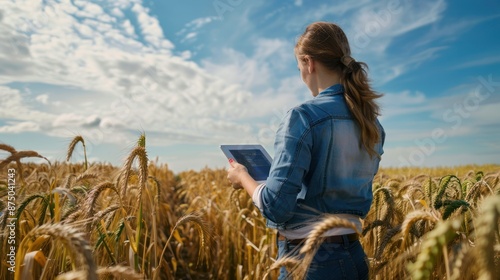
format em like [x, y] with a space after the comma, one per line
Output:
[195, 74]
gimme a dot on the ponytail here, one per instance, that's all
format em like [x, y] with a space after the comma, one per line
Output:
[361, 101]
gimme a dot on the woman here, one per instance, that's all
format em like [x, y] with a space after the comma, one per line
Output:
[327, 151]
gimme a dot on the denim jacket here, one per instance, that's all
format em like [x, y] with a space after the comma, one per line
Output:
[319, 166]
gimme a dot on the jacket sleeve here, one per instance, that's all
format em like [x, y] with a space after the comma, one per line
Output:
[290, 165]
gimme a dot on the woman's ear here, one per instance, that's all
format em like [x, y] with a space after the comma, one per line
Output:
[310, 64]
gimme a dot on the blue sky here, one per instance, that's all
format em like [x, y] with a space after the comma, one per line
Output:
[195, 74]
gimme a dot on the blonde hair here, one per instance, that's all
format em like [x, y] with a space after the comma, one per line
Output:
[326, 43]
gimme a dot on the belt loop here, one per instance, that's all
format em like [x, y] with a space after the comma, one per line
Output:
[286, 241]
[345, 238]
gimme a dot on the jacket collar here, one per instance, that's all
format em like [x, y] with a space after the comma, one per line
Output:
[332, 90]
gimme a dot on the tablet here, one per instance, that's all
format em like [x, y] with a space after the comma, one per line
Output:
[254, 157]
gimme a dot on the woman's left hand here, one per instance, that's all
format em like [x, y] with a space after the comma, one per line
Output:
[235, 173]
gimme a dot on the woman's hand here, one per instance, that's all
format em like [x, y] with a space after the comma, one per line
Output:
[238, 175]
[235, 173]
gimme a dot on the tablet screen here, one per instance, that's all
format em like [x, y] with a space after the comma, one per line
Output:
[255, 161]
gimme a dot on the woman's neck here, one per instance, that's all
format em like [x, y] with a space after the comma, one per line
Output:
[326, 79]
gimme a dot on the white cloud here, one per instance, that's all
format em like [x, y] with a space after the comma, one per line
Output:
[117, 12]
[88, 9]
[150, 28]
[385, 68]
[43, 98]
[493, 59]
[190, 30]
[416, 131]
[106, 83]
[485, 114]
[438, 155]
[185, 55]
[239, 68]
[373, 27]
[339, 9]
[18, 127]
[13, 106]
[190, 35]
[256, 72]
[458, 127]
[461, 110]
[128, 27]
[406, 102]
[200, 22]
[75, 120]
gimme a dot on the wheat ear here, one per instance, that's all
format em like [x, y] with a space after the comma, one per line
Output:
[72, 146]
[93, 195]
[120, 272]
[72, 275]
[140, 153]
[411, 219]
[8, 148]
[385, 240]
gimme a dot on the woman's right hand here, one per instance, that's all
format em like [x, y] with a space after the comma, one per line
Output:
[235, 173]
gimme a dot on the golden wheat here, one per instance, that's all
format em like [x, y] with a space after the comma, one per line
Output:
[133, 220]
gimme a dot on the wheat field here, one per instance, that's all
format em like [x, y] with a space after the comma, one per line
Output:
[141, 221]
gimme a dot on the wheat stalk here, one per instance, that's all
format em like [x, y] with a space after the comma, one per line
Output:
[314, 241]
[140, 153]
[487, 231]
[71, 238]
[203, 230]
[288, 261]
[315, 238]
[458, 262]
[20, 155]
[99, 215]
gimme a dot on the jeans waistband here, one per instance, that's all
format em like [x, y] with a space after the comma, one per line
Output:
[330, 239]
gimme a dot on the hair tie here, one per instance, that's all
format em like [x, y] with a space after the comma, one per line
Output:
[350, 63]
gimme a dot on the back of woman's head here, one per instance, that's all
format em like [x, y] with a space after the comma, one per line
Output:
[326, 43]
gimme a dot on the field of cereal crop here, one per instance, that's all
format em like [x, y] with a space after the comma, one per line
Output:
[67, 220]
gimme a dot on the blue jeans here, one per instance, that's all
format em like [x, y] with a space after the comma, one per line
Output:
[332, 261]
